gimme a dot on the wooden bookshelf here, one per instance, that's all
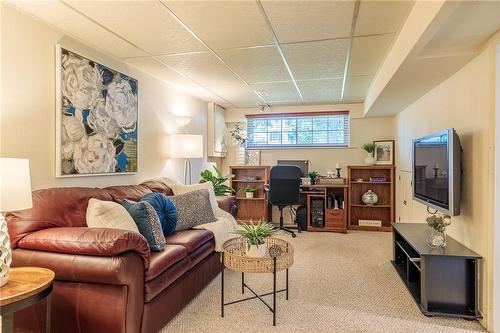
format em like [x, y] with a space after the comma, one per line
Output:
[250, 209]
[384, 209]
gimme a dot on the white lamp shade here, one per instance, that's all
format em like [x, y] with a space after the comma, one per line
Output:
[15, 184]
[186, 146]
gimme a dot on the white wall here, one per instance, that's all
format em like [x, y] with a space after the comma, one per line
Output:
[465, 101]
[27, 126]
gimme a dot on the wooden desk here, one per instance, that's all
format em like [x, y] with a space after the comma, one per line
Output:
[335, 220]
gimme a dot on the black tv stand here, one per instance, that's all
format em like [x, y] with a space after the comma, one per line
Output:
[443, 282]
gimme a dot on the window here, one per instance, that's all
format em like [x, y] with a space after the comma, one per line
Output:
[315, 129]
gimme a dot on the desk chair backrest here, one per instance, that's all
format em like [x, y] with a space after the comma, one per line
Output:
[284, 185]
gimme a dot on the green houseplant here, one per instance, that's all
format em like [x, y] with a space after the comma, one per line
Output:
[369, 148]
[249, 191]
[218, 181]
[313, 175]
[255, 236]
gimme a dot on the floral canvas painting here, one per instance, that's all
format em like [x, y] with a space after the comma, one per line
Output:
[97, 120]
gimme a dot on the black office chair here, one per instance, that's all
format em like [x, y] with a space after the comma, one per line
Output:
[284, 189]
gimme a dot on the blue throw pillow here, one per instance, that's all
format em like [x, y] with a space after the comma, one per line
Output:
[165, 209]
[148, 223]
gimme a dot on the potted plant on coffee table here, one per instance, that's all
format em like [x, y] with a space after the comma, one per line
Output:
[255, 236]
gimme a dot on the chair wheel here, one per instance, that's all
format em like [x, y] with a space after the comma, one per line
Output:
[294, 235]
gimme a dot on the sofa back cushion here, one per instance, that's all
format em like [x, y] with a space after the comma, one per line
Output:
[158, 186]
[129, 192]
[53, 207]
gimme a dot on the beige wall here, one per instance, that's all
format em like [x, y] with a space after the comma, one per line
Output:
[465, 101]
[322, 159]
[27, 122]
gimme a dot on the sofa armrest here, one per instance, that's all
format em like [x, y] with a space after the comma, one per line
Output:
[104, 242]
[227, 203]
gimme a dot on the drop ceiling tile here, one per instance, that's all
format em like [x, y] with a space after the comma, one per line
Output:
[321, 91]
[224, 24]
[295, 21]
[377, 17]
[157, 69]
[356, 87]
[317, 60]
[206, 95]
[262, 64]
[204, 68]
[367, 53]
[274, 92]
[146, 24]
[76, 25]
[237, 94]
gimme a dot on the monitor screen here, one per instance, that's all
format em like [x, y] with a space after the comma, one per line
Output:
[431, 169]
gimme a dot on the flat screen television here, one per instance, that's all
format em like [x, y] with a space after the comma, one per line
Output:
[437, 171]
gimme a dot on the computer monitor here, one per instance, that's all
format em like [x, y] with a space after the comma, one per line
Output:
[302, 164]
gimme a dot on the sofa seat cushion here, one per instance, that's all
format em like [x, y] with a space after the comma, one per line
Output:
[201, 253]
[157, 285]
[162, 260]
[191, 239]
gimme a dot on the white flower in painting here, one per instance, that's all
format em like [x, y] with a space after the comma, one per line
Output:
[73, 128]
[101, 121]
[80, 82]
[121, 105]
[94, 155]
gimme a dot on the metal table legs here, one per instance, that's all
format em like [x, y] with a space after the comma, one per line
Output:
[255, 295]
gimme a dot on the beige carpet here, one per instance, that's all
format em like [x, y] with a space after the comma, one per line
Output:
[339, 283]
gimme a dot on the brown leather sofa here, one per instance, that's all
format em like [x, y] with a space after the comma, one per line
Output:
[107, 280]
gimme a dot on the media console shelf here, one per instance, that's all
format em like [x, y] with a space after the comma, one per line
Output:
[443, 282]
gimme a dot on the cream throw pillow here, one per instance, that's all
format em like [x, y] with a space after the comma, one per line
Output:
[181, 189]
[109, 214]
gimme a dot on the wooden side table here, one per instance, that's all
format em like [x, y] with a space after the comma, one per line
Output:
[26, 286]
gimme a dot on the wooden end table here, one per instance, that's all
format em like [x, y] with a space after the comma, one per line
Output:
[26, 286]
[279, 257]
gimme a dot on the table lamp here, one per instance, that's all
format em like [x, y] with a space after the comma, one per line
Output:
[15, 194]
[186, 146]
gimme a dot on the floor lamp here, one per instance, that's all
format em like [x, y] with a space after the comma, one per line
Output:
[186, 146]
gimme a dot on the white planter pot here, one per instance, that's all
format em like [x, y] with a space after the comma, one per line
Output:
[249, 195]
[370, 160]
[257, 251]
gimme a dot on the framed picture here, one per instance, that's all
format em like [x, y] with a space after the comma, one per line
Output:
[96, 118]
[384, 152]
[252, 157]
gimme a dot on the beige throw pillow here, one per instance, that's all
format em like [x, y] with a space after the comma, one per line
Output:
[109, 214]
[181, 189]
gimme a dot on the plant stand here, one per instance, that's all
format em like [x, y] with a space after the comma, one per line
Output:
[233, 257]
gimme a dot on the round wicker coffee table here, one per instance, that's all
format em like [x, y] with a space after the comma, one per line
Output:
[279, 256]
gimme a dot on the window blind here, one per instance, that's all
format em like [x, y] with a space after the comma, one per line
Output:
[289, 130]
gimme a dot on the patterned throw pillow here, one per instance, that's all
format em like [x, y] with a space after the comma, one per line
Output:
[193, 208]
[165, 209]
[181, 189]
[147, 221]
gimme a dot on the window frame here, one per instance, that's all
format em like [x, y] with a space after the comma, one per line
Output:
[296, 115]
